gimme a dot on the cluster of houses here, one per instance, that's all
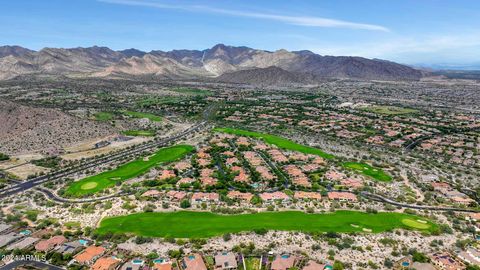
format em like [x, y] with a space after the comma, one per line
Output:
[451, 194]
[84, 252]
[442, 261]
[246, 197]
[391, 132]
[263, 159]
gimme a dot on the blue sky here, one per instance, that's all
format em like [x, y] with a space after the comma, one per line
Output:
[407, 31]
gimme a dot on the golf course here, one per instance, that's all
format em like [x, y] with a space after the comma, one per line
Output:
[189, 224]
[365, 169]
[390, 110]
[278, 141]
[126, 171]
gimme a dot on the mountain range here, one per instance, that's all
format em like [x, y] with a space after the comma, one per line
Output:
[219, 63]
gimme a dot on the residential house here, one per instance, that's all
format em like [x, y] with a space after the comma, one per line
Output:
[89, 255]
[444, 261]
[134, 264]
[163, 266]
[4, 227]
[235, 194]
[70, 247]
[193, 262]
[283, 262]
[182, 166]
[153, 193]
[106, 263]
[352, 183]
[205, 197]
[47, 245]
[225, 260]
[8, 238]
[166, 174]
[176, 195]
[470, 256]
[313, 265]
[305, 195]
[25, 243]
[185, 180]
[272, 196]
[423, 266]
[342, 196]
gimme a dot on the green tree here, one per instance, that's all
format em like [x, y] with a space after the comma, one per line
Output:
[185, 204]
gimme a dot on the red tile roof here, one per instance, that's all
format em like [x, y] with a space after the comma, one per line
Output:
[347, 196]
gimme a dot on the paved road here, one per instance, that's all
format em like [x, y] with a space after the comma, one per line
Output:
[52, 196]
[21, 187]
[36, 264]
[379, 198]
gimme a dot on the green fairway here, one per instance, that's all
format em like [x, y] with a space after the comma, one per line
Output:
[144, 133]
[278, 141]
[365, 169]
[192, 91]
[103, 116]
[187, 224]
[389, 110]
[151, 117]
[126, 171]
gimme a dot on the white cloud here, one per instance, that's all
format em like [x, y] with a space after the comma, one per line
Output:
[293, 20]
[410, 49]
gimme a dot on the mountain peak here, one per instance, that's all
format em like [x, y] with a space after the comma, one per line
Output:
[218, 60]
[13, 50]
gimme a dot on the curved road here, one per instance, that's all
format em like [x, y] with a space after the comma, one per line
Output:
[51, 195]
[378, 198]
[36, 264]
[98, 161]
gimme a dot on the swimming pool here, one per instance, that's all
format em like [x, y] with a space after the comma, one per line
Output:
[159, 260]
[26, 232]
[137, 261]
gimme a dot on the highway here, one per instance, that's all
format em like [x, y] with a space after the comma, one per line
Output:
[34, 182]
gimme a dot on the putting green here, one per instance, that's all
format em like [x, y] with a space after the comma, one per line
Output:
[416, 224]
[189, 224]
[99, 182]
[365, 169]
[89, 185]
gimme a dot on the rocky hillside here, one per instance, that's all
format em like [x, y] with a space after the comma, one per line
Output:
[27, 129]
[266, 76]
[193, 64]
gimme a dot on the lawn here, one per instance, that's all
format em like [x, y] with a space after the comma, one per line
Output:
[389, 110]
[126, 171]
[188, 224]
[103, 116]
[365, 169]
[252, 263]
[144, 133]
[151, 117]
[278, 141]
